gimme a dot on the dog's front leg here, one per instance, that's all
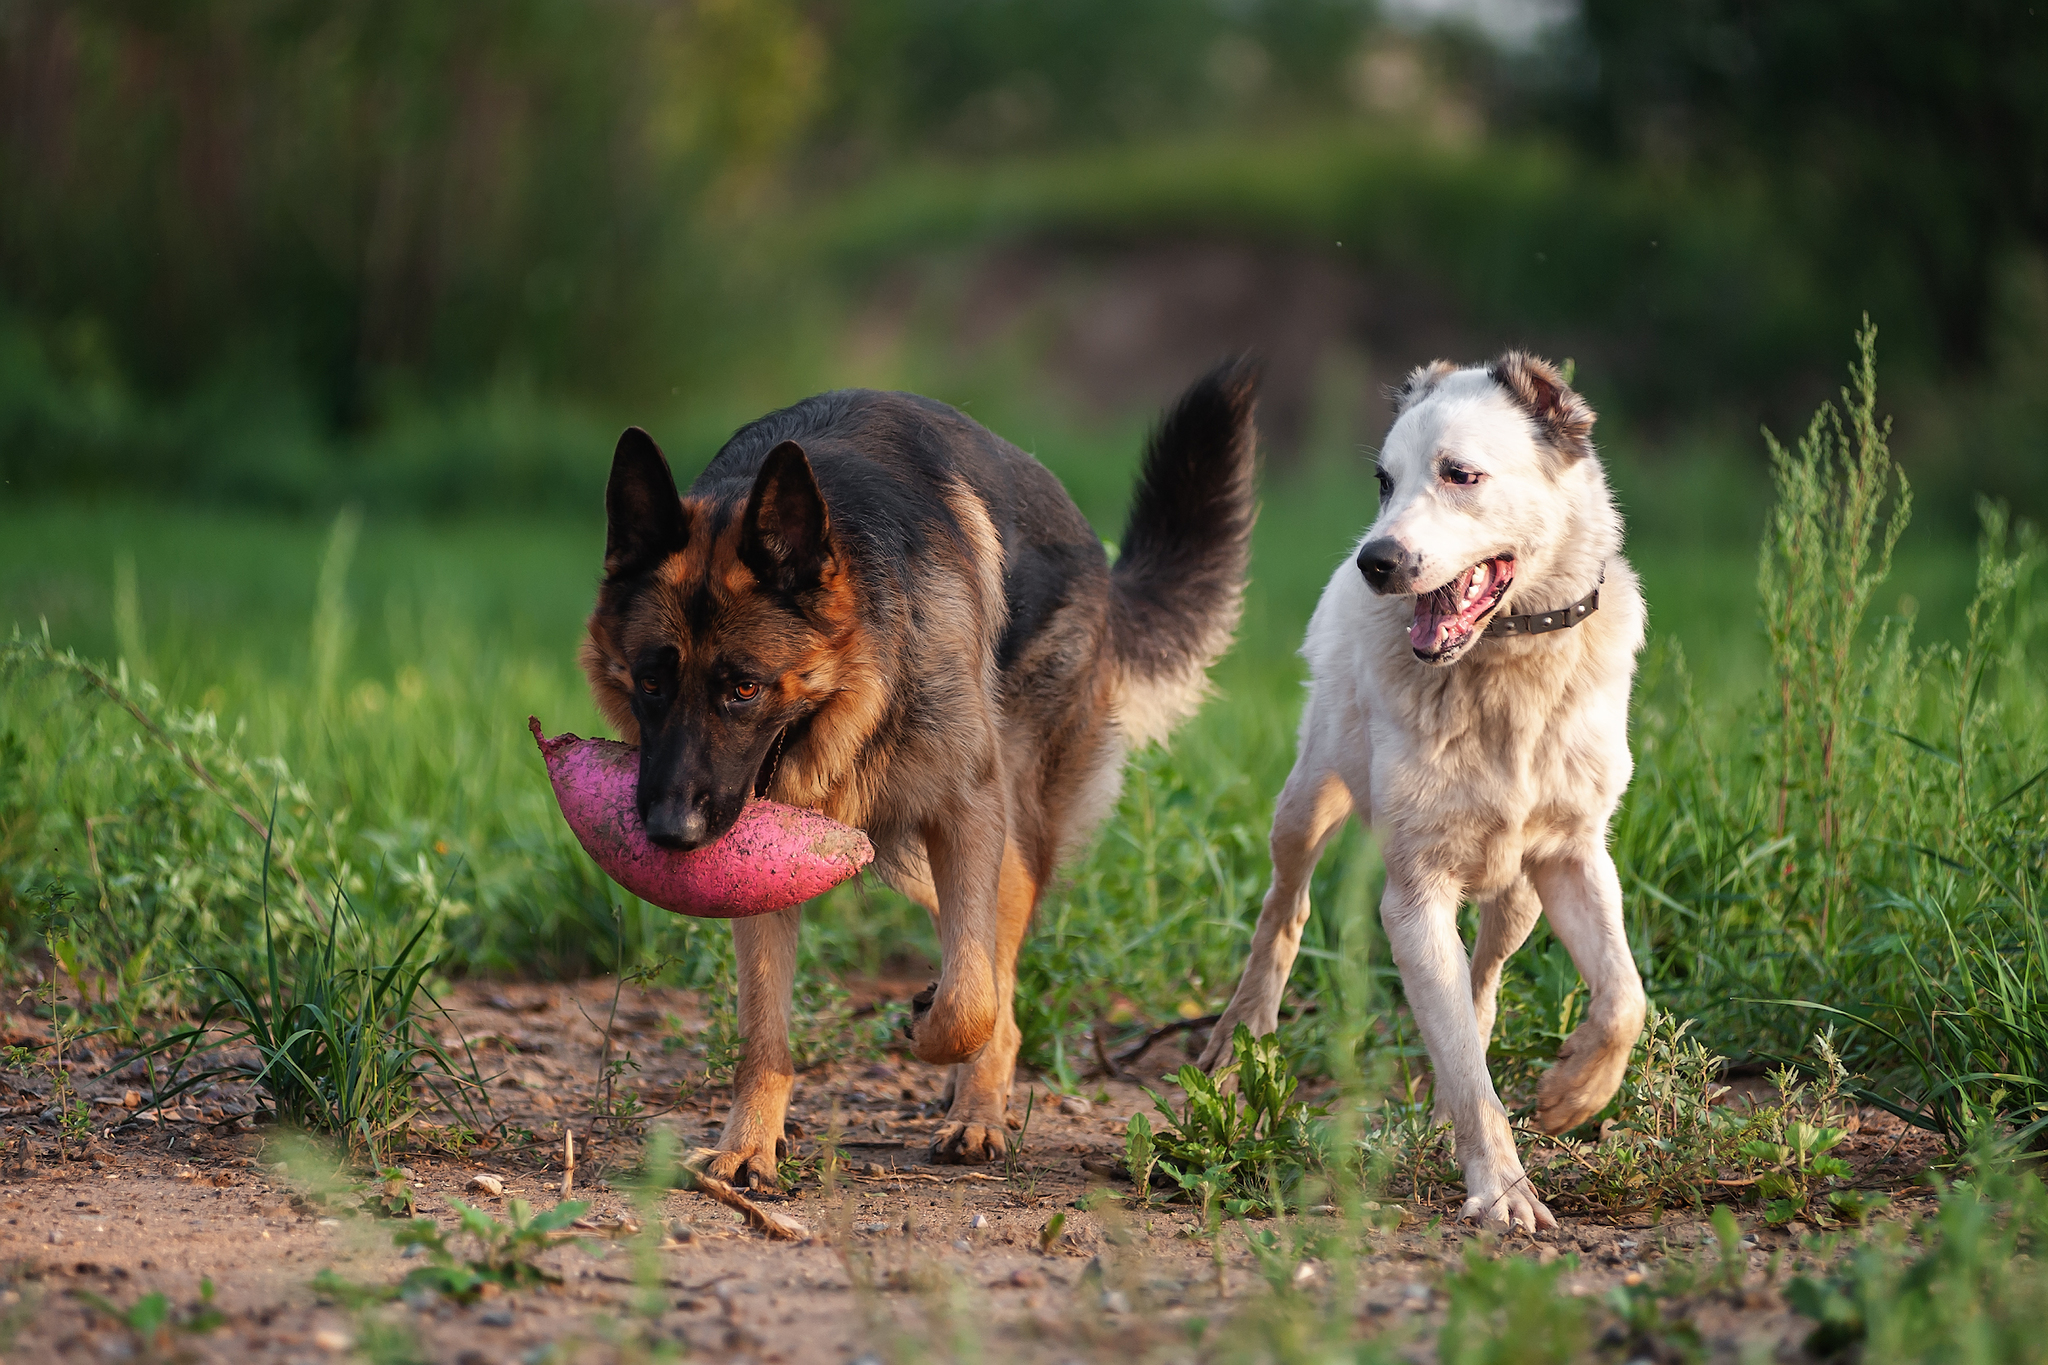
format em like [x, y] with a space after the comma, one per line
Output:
[765, 946]
[965, 849]
[1312, 807]
[1582, 896]
[977, 1126]
[1421, 918]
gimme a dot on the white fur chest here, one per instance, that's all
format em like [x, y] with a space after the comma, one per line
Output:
[1519, 750]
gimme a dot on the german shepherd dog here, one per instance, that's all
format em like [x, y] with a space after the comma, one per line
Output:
[1468, 695]
[871, 606]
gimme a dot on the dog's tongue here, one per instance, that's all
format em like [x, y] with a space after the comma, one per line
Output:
[1436, 619]
[1446, 614]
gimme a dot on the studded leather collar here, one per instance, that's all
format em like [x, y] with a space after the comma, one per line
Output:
[1543, 622]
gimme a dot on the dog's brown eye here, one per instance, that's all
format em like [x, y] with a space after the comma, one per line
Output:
[746, 691]
[650, 686]
[1453, 474]
[1386, 481]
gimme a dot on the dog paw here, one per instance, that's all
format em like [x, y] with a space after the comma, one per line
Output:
[749, 1166]
[950, 1029]
[1515, 1206]
[1579, 1086]
[970, 1144]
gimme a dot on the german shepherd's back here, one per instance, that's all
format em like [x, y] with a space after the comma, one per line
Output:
[870, 605]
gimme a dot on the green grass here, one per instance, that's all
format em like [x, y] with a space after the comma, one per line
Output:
[373, 675]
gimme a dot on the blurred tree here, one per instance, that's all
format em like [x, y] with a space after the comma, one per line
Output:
[360, 193]
[990, 75]
[1909, 140]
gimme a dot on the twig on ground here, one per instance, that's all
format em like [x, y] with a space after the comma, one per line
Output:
[1104, 1062]
[766, 1220]
[1159, 1035]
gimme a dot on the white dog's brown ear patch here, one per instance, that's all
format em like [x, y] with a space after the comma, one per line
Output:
[1563, 417]
[1419, 382]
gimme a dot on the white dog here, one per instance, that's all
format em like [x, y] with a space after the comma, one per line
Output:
[1469, 697]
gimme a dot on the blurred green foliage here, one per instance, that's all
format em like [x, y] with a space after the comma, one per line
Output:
[428, 258]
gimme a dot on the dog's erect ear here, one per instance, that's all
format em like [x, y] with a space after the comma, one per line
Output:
[1419, 382]
[786, 537]
[643, 517]
[1564, 418]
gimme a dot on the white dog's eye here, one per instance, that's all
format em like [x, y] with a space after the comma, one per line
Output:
[1451, 473]
[1386, 481]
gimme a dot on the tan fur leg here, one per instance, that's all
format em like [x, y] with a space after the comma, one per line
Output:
[976, 1129]
[1504, 924]
[1582, 896]
[1420, 914]
[765, 946]
[1312, 807]
[966, 854]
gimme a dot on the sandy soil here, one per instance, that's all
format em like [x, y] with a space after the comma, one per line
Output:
[904, 1259]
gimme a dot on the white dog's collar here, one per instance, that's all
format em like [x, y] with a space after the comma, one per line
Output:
[1542, 622]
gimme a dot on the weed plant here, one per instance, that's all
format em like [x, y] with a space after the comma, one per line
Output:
[1964, 1285]
[1239, 1142]
[340, 1046]
[1871, 840]
[481, 1252]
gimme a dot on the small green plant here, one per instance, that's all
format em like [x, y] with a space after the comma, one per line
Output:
[1734, 1262]
[1139, 1155]
[1807, 1123]
[1511, 1311]
[721, 1041]
[1794, 1168]
[1647, 1330]
[151, 1320]
[1236, 1147]
[1972, 1289]
[390, 1196]
[504, 1254]
[74, 1117]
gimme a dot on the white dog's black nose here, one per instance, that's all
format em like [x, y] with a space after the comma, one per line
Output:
[1385, 564]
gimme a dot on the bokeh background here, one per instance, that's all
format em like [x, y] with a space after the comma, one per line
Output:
[318, 322]
[281, 254]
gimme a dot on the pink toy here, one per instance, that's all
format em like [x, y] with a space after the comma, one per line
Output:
[775, 857]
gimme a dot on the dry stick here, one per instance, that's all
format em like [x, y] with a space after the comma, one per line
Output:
[1145, 1044]
[767, 1220]
[1108, 1067]
[568, 1159]
[198, 769]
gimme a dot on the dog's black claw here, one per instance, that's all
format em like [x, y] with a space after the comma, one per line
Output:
[920, 1006]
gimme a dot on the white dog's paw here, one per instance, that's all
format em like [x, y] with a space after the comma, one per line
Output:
[1512, 1205]
[1588, 1072]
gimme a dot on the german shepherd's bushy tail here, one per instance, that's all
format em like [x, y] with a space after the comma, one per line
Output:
[1178, 585]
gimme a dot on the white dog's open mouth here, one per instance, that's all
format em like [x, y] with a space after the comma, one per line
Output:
[1446, 618]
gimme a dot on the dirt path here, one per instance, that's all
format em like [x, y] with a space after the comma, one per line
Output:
[904, 1259]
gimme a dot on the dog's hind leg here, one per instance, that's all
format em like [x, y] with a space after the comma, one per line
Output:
[1582, 896]
[977, 1123]
[1505, 920]
[1420, 913]
[1312, 807]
